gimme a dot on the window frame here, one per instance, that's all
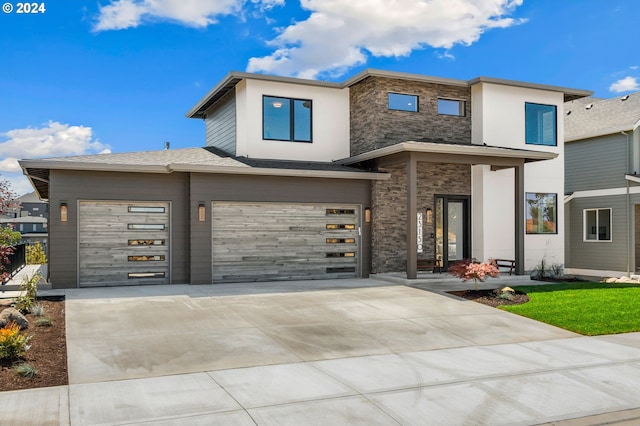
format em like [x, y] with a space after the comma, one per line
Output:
[584, 225]
[539, 127]
[462, 107]
[527, 212]
[416, 98]
[292, 119]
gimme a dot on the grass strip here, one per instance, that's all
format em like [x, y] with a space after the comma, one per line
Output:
[589, 308]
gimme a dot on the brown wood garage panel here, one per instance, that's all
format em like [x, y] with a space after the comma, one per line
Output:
[267, 242]
[122, 243]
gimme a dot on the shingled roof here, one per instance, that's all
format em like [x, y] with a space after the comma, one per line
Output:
[200, 160]
[592, 117]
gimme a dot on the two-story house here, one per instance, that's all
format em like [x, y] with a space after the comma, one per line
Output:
[603, 186]
[29, 217]
[304, 179]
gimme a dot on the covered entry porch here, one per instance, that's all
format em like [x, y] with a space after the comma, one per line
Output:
[427, 178]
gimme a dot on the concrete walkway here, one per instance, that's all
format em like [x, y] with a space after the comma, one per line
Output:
[328, 353]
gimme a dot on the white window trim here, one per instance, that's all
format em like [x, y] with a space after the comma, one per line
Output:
[584, 225]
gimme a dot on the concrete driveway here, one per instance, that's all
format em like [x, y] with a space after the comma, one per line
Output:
[365, 353]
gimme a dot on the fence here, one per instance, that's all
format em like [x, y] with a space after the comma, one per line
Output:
[17, 260]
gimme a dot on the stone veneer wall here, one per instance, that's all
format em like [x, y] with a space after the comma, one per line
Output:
[389, 210]
[374, 126]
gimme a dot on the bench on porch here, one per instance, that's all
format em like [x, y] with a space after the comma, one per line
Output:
[430, 265]
[505, 263]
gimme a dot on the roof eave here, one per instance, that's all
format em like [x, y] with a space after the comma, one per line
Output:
[601, 132]
[435, 148]
[569, 93]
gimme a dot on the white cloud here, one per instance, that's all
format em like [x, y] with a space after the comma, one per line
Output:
[626, 84]
[341, 33]
[52, 140]
[122, 14]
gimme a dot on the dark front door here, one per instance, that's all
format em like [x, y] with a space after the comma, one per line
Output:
[452, 228]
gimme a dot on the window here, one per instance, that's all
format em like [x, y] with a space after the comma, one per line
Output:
[285, 119]
[540, 124]
[451, 107]
[138, 209]
[541, 213]
[597, 224]
[400, 102]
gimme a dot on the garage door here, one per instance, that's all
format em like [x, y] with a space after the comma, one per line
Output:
[266, 242]
[123, 243]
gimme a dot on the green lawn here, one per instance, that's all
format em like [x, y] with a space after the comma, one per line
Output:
[586, 308]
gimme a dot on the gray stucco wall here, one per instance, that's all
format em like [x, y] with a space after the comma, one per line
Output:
[374, 126]
[597, 163]
[72, 186]
[220, 124]
[600, 255]
[389, 203]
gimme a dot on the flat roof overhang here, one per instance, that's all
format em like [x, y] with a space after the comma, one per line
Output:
[436, 152]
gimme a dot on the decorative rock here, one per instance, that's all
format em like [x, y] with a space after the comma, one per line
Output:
[611, 280]
[12, 314]
[507, 290]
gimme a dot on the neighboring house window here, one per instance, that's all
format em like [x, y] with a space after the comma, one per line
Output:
[541, 213]
[597, 224]
[451, 107]
[286, 119]
[540, 124]
[400, 102]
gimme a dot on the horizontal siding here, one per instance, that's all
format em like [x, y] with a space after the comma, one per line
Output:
[220, 125]
[598, 163]
[598, 255]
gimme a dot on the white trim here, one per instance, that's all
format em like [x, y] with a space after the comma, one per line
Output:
[594, 272]
[632, 178]
[602, 193]
[584, 225]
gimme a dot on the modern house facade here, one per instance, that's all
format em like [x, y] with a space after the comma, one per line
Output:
[302, 179]
[29, 217]
[602, 144]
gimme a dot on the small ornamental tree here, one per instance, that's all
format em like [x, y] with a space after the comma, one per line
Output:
[8, 237]
[467, 269]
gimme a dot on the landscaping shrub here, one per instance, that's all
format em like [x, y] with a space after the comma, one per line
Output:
[13, 343]
[29, 288]
[36, 255]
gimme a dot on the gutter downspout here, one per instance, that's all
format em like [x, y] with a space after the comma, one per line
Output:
[628, 218]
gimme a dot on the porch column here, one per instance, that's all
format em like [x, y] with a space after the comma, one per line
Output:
[412, 220]
[519, 219]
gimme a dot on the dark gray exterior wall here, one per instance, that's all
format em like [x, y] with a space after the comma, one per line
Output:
[598, 163]
[389, 208]
[190, 238]
[220, 124]
[208, 188]
[600, 255]
[72, 186]
[374, 126]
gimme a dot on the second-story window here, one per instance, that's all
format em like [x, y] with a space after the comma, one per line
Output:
[451, 107]
[540, 124]
[400, 102]
[286, 119]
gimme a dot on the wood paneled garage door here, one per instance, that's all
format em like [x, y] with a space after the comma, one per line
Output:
[123, 243]
[267, 242]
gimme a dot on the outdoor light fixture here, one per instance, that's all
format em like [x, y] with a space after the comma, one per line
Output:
[367, 214]
[63, 212]
[277, 104]
[201, 212]
[429, 215]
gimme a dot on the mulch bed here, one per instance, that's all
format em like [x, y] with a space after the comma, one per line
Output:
[48, 351]
[489, 297]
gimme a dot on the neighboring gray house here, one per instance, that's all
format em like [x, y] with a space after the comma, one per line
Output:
[305, 179]
[30, 218]
[602, 204]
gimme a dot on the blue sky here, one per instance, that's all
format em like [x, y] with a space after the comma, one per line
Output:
[87, 77]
